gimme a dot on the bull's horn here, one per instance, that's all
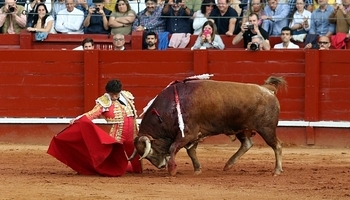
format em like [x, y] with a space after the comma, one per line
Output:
[148, 146]
[132, 155]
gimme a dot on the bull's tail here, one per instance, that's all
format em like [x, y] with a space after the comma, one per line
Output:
[276, 83]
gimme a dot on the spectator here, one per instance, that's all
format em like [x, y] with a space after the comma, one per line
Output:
[301, 18]
[12, 18]
[245, 5]
[88, 43]
[30, 7]
[70, 20]
[251, 29]
[96, 21]
[83, 5]
[257, 7]
[151, 40]
[235, 5]
[110, 4]
[150, 19]
[58, 5]
[177, 17]
[316, 4]
[323, 44]
[18, 2]
[286, 35]
[202, 15]
[256, 43]
[320, 25]
[293, 3]
[42, 22]
[341, 17]
[276, 17]
[122, 19]
[208, 38]
[118, 42]
[225, 18]
[194, 5]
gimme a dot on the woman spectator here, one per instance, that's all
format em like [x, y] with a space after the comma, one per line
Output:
[257, 7]
[201, 16]
[300, 19]
[42, 22]
[30, 8]
[121, 20]
[209, 38]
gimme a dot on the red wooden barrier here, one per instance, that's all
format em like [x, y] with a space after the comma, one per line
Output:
[58, 83]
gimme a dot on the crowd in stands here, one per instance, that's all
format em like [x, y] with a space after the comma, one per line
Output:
[254, 21]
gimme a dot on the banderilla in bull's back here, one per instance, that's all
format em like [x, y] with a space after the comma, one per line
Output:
[194, 109]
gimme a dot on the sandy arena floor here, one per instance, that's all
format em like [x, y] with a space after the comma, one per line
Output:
[27, 172]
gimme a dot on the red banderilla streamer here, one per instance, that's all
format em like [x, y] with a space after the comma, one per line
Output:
[154, 111]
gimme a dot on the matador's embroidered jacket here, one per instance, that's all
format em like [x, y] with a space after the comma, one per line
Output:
[115, 112]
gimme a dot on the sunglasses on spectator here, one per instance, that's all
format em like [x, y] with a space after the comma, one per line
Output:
[118, 39]
[321, 42]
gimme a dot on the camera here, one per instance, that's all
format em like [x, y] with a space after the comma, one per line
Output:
[250, 26]
[206, 32]
[255, 46]
[11, 9]
[315, 46]
[97, 10]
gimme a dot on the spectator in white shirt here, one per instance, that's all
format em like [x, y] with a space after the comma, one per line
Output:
[286, 35]
[70, 20]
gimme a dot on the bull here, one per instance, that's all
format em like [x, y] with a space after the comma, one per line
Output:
[188, 111]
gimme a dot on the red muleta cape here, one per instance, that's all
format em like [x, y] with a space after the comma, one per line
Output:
[89, 150]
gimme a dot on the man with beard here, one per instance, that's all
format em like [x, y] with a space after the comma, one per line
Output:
[151, 40]
[150, 19]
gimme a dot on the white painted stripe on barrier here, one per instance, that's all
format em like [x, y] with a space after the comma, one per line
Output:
[326, 124]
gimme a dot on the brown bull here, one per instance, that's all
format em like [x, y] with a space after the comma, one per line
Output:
[185, 112]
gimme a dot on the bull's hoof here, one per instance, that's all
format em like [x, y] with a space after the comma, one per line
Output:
[277, 172]
[197, 172]
[172, 172]
[227, 167]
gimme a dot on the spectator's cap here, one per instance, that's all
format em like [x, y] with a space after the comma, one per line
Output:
[154, 1]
